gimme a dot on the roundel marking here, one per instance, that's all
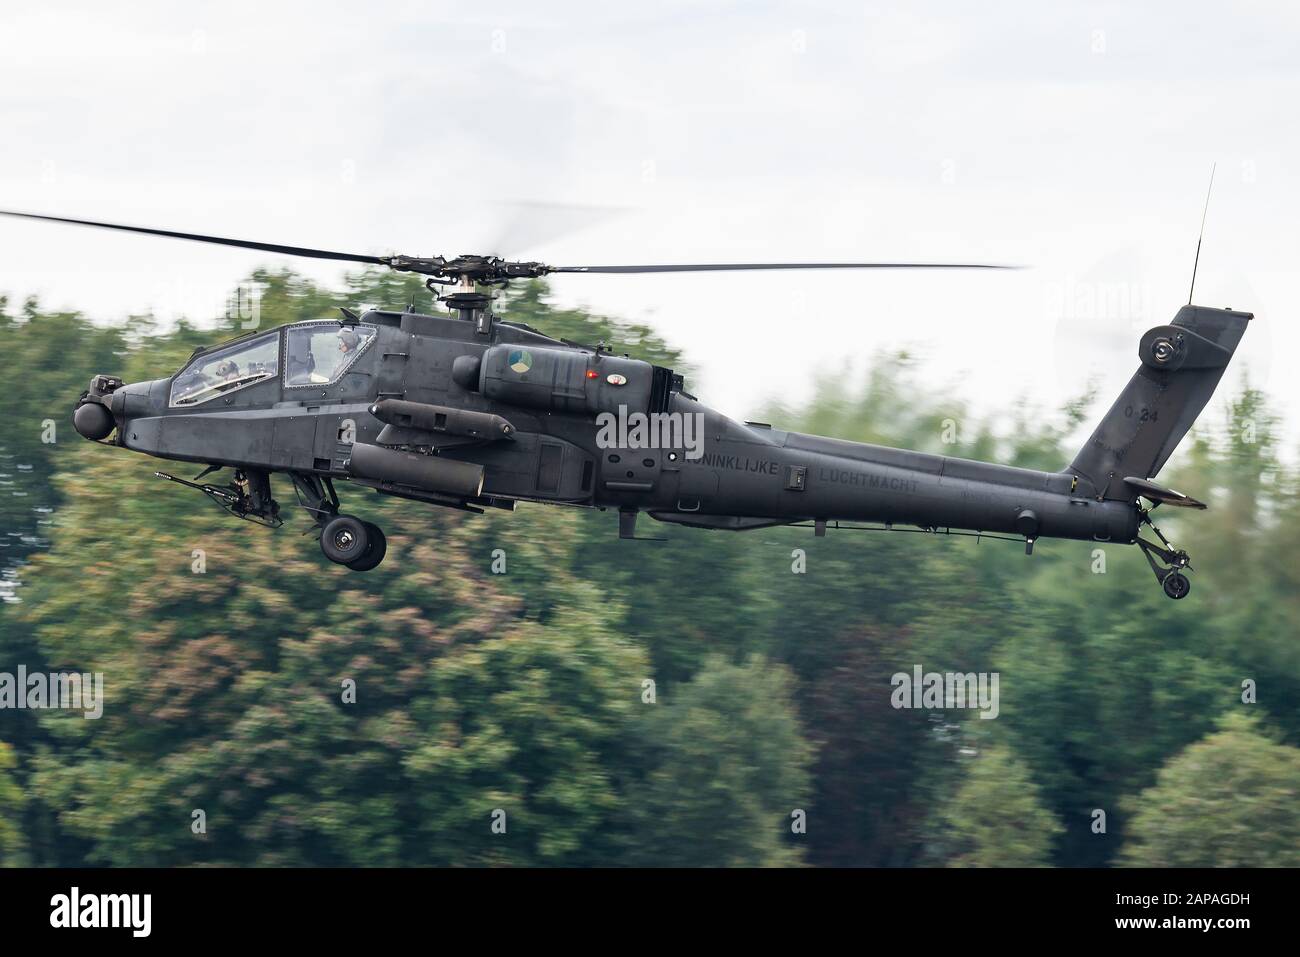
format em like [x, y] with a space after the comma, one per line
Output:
[520, 361]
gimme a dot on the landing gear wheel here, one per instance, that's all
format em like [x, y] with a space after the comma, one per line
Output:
[1173, 560]
[345, 539]
[375, 554]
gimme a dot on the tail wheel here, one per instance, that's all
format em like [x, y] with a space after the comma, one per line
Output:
[1176, 585]
[345, 539]
[375, 553]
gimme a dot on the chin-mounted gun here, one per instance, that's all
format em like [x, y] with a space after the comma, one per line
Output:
[247, 497]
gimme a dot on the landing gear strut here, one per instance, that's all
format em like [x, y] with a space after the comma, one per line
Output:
[344, 539]
[1175, 584]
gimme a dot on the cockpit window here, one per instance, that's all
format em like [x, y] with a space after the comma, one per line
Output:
[222, 371]
[319, 353]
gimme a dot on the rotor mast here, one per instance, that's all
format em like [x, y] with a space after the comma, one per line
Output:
[469, 304]
[465, 274]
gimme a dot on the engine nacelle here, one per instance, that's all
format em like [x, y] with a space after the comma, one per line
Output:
[564, 380]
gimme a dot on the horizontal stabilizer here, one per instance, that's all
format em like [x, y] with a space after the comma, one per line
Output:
[1158, 493]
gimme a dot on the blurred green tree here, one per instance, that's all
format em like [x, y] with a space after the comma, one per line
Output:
[13, 845]
[1229, 800]
[729, 772]
[996, 817]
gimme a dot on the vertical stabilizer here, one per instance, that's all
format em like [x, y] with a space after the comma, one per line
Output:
[1181, 365]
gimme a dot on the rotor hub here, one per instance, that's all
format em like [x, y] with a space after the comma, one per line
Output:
[467, 268]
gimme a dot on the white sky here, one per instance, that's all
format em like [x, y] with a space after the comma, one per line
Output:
[1076, 139]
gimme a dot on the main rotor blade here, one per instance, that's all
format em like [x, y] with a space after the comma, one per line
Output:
[726, 267]
[481, 268]
[199, 238]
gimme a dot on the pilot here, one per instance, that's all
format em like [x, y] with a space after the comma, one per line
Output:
[227, 369]
[348, 342]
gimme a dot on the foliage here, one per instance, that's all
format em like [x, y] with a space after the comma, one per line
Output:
[1229, 800]
[12, 800]
[996, 817]
[730, 770]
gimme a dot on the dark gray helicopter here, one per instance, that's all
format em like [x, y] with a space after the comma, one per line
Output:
[467, 411]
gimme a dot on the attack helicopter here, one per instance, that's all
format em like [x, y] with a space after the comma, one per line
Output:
[468, 411]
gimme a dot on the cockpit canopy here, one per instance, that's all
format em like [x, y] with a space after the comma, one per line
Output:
[224, 370]
[316, 353]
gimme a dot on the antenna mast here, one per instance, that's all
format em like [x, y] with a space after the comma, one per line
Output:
[1201, 236]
